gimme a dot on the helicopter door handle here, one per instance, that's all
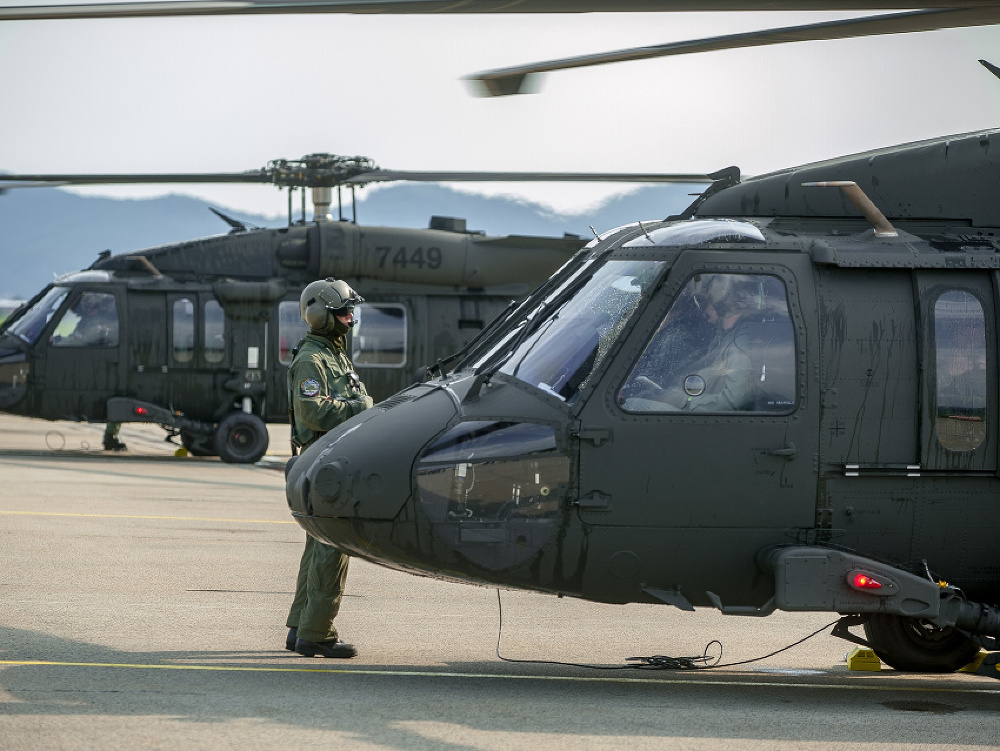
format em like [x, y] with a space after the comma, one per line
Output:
[789, 452]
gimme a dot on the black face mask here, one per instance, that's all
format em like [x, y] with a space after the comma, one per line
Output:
[339, 327]
[333, 328]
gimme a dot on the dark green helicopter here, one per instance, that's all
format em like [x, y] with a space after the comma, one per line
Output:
[784, 398]
[594, 442]
[197, 336]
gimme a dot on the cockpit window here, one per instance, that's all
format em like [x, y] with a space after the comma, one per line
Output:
[29, 326]
[568, 336]
[490, 440]
[494, 491]
[726, 345]
[91, 321]
[494, 351]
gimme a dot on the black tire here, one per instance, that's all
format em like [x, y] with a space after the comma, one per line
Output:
[916, 645]
[198, 444]
[241, 438]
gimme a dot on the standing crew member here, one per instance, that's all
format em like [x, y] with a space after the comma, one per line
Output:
[324, 391]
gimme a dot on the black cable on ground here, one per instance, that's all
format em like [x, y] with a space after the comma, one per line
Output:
[657, 662]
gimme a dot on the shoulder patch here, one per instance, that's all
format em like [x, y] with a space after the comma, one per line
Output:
[309, 387]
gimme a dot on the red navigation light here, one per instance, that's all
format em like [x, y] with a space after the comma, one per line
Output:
[141, 411]
[863, 581]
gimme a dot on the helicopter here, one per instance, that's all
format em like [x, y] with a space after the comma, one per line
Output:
[783, 398]
[197, 336]
[570, 450]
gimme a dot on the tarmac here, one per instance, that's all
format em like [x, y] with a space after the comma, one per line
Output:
[143, 597]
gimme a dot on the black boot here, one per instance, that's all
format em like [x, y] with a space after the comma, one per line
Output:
[335, 648]
[290, 639]
[113, 444]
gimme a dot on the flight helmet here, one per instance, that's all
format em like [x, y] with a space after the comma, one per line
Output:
[728, 293]
[320, 298]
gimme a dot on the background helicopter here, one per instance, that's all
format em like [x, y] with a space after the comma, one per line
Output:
[781, 398]
[196, 336]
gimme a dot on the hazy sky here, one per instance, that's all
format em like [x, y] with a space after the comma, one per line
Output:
[231, 93]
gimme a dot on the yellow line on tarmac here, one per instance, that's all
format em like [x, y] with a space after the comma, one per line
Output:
[499, 676]
[136, 516]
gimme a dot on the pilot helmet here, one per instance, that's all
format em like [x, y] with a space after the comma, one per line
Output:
[326, 296]
[92, 302]
[727, 293]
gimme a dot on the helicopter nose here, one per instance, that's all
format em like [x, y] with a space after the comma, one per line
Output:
[362, 470]
[441, 475]
[14, 371]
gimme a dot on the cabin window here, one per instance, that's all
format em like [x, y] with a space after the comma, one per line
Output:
[92, 321]
[726, 345]
[291, 329]
[183, 335]
[215, 333]
[960, 350]
[379, 336]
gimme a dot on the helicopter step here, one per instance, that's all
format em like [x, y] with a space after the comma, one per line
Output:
[239, 437]
[894, 606]
[124, 409]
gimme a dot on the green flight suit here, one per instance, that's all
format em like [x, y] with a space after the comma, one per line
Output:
[323, 392]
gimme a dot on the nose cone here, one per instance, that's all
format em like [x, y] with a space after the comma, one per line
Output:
[362, 471]
[14, 371]
[449, 480]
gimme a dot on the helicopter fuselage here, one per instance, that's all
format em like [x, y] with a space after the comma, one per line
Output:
[738, 411]
[586, 493]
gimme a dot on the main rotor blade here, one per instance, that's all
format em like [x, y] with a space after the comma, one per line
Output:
[218, 177]
[207, 8]
[296, 176]
[522, 79]
[254, 7]
[376, 176]
[990, 67]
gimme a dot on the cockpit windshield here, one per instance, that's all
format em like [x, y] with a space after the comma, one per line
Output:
[28, 327]
[563, 342]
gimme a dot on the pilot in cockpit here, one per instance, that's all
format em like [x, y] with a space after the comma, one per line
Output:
[716, 376]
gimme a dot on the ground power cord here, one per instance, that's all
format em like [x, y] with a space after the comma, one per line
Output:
[707, 660]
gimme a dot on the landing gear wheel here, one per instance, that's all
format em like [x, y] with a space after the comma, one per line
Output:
[241, 438]
[916, 645]
[198, 444]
